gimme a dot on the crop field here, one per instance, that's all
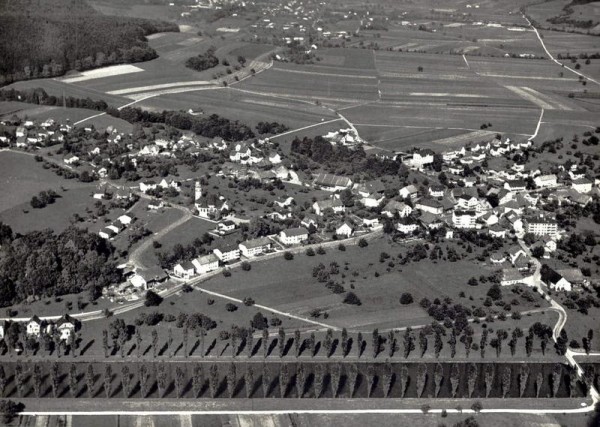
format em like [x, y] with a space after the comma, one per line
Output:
[247, 106]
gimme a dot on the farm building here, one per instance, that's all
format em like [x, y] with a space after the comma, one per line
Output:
[331, 182]
[147, 279]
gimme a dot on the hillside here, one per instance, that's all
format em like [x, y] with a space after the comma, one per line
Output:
[47, 38]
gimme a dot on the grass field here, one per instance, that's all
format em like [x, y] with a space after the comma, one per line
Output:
[24, 178]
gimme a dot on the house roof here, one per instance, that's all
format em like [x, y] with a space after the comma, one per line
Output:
[152, 273]
[64, 320]
[227, 247]
[187, 265]
[510, 274]
[207, 259]
[292, 232]
[330, 180]
[256, 243]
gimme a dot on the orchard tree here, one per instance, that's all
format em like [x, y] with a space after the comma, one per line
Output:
[454, 378]
[300, 380]
[370, 379]
[421, 379]
[213, 380]
[108, 380]
[197, 380]
[438, 378]
[284, 379]
[352, 376]
[249, 380]
[472, 374]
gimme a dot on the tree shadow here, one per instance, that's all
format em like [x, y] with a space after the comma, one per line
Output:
[212, 345]
[334, 346]
[147, 350]
[179, 347]
[224, 349]
[163, 349]
[346, 351]
[241, 347]
[194, 347]
[317, 348]
[272, 346]
[302, 347]
[87, 347]
[363, 346]
[288, 346]
[256, 347]
[130, 352]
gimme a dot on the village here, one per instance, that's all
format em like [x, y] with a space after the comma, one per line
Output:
[439, 196]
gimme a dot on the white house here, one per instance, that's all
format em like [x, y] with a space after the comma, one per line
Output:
[394, 207]
[146, 186]
[227, 252]
[406, 225]
[335, 204]
[71, 159]
[555, 281]
[410, 192]
[293, 236]
[545, 181]
[66, 326]
[185, 270]
[34, 326]
[125, 220]
[430, 205]
[582, 185]
[345, 230]
[206, 263]
[464, 219]
[255, 247]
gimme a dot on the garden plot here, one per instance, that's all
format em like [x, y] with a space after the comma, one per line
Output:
[115, 70]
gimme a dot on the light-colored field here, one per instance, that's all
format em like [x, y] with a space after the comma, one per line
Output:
[115, 70]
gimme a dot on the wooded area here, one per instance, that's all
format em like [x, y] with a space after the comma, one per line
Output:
[45, 38]
[41, 263]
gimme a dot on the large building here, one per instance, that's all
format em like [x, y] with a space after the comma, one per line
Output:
[541, 226]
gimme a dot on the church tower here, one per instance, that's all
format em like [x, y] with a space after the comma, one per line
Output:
[198, 191]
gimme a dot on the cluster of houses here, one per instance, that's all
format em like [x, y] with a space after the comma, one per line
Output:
[64, 328]
[111, 231]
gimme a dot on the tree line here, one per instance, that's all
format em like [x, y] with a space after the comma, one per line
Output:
[289, 380]
[44, 38]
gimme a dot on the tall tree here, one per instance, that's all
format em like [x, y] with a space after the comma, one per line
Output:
[319, 374]
[37, 380]
[297, 342]
[250, 343]
[557, 373]
[506, 380]
[388, 376]
[391, 339]
[345, 342]
[144, 375]
[249, 380]
[284, 378]
[281, 341]
[523, 377]
[179, 381]
[266, 379]
[154, 343]
[213, 380]
[108, 380]
[472, 373]
[312, 344]
[409, 342]
[359, 344]
[370, 377]
[490, 373]
[452, 343]
[328, 342]
[438, 343]
[138, 342]
[438, 377]
[197, 380]
[335, 375]
[126, 381]
[233, 341]
[483, 342]
[90, 379]
[300, 380]
[161, 379]
[265, 342]
[170, 342]
[468, 344]
[352, 376]
[421, 379]
[375, 342]
[105, 342]
[403, 380]
[73, 380]
[54, 379]
[539, 383]
[422, 342]
[185, 341]
[231, 379]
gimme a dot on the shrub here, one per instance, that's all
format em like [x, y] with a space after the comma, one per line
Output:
[275, 321]
[226, 273]
[170, 318]
[153, 318]
[10, 410]
[362, 243]
[406, 298]
[259, 321]
[246, 266]
[310, 252]
[248, 301]
[187, 288]
[288, 256]
[321, 250]
[342, 247]
[477, 406]
[230, 307]
[352, 299]
[152, 299]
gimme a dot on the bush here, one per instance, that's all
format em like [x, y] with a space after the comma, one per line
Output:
[477, 406]
[230, 307]
[170, 318]
[246, 266]
[259, 322]
[310, 252]
[152, 299]
[226, 273]
[10, 410]
[152, 319]
[187, 288]
[288, 256]
[406, 298]
[248, 301]
[275, 321]
[362, 243]
[342, 247]
[321, 250]
[352, 299]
